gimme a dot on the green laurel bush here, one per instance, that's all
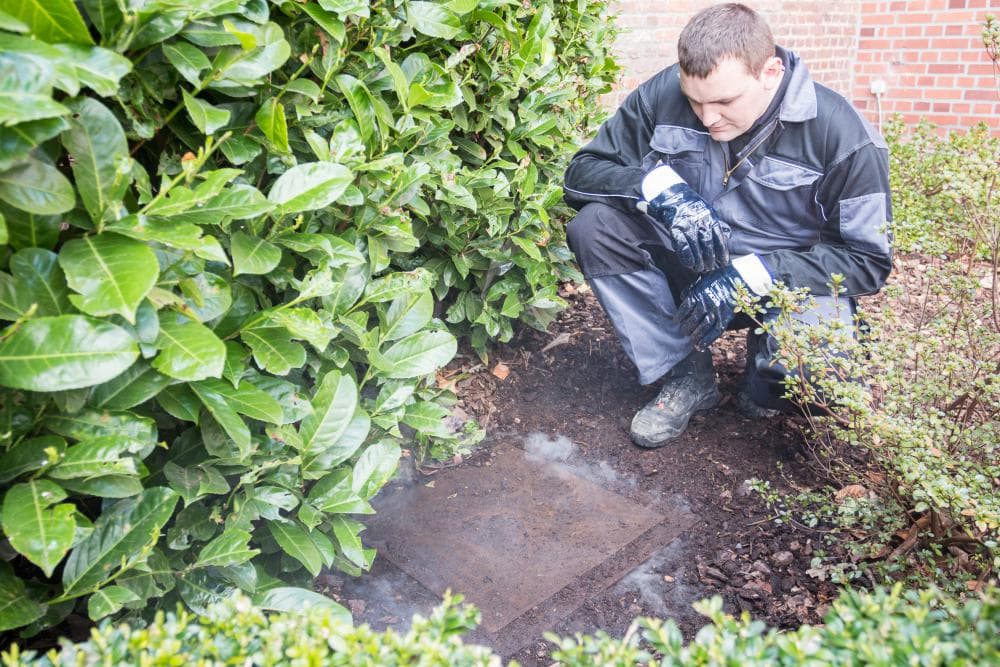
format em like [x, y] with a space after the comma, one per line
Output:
[886, 627]
[237, 239]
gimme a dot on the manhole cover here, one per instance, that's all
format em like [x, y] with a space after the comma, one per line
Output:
[511, 534]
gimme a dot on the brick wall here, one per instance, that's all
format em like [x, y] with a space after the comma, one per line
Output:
[823, 32]
[930, 55]
[928, 52]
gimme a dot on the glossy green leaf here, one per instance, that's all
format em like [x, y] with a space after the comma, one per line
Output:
[427, 418]
[296, 541]
[248, 400]
[65, 352]
[327, 20]
[37, 187]
[407, 314]
[17, 141]
[310, 186]
[188, 350]
[333, 494]
[273, 349]
[180, 402]
[37, 530]
[376, 466]
[28, 230]
[347, 533]
[225, 416]
[17, 607]
[109, 600]
[230, 548]
[252, 255]
[104, 14]
[31, 455]
[202, 590]
[432, 19]
[362, 105]
[208, 295]
[136, 385]
[110, 273]
[51, 20]
[271, 121]
[206, 118]
[99, 69]
[88, 424]
[397, 284]
[336, 427]
[26, 89]
[305, 324]
[417, 355]
[290, 599]
[171, 232]
[105, 486]
[99, 150]
[195, 481]
[188, 60]
[122, 534]
[36, 280]
[97, 457]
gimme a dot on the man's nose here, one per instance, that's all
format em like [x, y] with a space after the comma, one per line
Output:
[710, 116]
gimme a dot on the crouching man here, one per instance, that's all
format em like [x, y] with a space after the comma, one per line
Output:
[731, 165]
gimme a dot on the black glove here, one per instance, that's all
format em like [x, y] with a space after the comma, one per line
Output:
[698, 236]
[708, 306]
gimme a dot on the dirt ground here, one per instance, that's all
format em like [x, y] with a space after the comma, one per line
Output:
[574, 382]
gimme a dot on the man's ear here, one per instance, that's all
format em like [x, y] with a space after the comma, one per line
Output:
[770, 75]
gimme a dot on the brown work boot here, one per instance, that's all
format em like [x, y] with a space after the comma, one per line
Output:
[688, 387]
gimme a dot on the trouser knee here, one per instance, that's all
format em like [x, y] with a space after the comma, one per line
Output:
[768, 380]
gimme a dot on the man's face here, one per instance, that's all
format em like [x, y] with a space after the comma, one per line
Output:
[731, 98]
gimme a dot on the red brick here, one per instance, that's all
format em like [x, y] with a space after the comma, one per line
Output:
[945, 69]
[985, 95]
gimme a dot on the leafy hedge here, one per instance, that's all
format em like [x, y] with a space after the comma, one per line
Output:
[230, 231]
[884, 628]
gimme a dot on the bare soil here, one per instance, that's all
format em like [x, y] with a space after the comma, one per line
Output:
[574, 383]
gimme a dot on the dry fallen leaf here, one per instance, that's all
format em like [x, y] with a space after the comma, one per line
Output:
[851, 491]
[501, 370]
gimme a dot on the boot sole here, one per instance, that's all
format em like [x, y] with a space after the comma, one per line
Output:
[704, 405]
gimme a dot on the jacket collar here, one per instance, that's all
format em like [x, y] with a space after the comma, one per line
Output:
[799, 103]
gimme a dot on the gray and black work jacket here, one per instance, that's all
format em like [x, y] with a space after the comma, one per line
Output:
[812, 199]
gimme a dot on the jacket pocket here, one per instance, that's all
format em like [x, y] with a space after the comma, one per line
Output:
[682, 148]
[778, 202]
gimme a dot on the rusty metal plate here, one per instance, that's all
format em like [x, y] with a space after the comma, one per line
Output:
[508, 535]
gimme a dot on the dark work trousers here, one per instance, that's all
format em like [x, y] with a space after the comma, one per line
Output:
[637, 279]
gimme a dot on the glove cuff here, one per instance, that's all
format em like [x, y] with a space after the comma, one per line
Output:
[754, 272]
[658, 180]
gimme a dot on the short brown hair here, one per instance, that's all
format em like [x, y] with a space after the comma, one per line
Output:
[724, 31]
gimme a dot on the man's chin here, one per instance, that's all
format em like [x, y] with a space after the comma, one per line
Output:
[724, 134]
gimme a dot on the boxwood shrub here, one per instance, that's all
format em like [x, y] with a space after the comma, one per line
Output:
[887, 627]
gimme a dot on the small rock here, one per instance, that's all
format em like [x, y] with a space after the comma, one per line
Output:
[357, 607]
[709, 572]
[783, 558]
[744, 489]
[761, 567]
[795, 546]
[754, 590]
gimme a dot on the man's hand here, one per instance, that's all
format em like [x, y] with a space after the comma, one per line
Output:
[708, 306]
[698, 236]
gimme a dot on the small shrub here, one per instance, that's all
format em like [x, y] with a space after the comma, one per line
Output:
[887, 627]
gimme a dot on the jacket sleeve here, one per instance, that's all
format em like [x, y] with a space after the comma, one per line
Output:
[609, 169]
[856, 239]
